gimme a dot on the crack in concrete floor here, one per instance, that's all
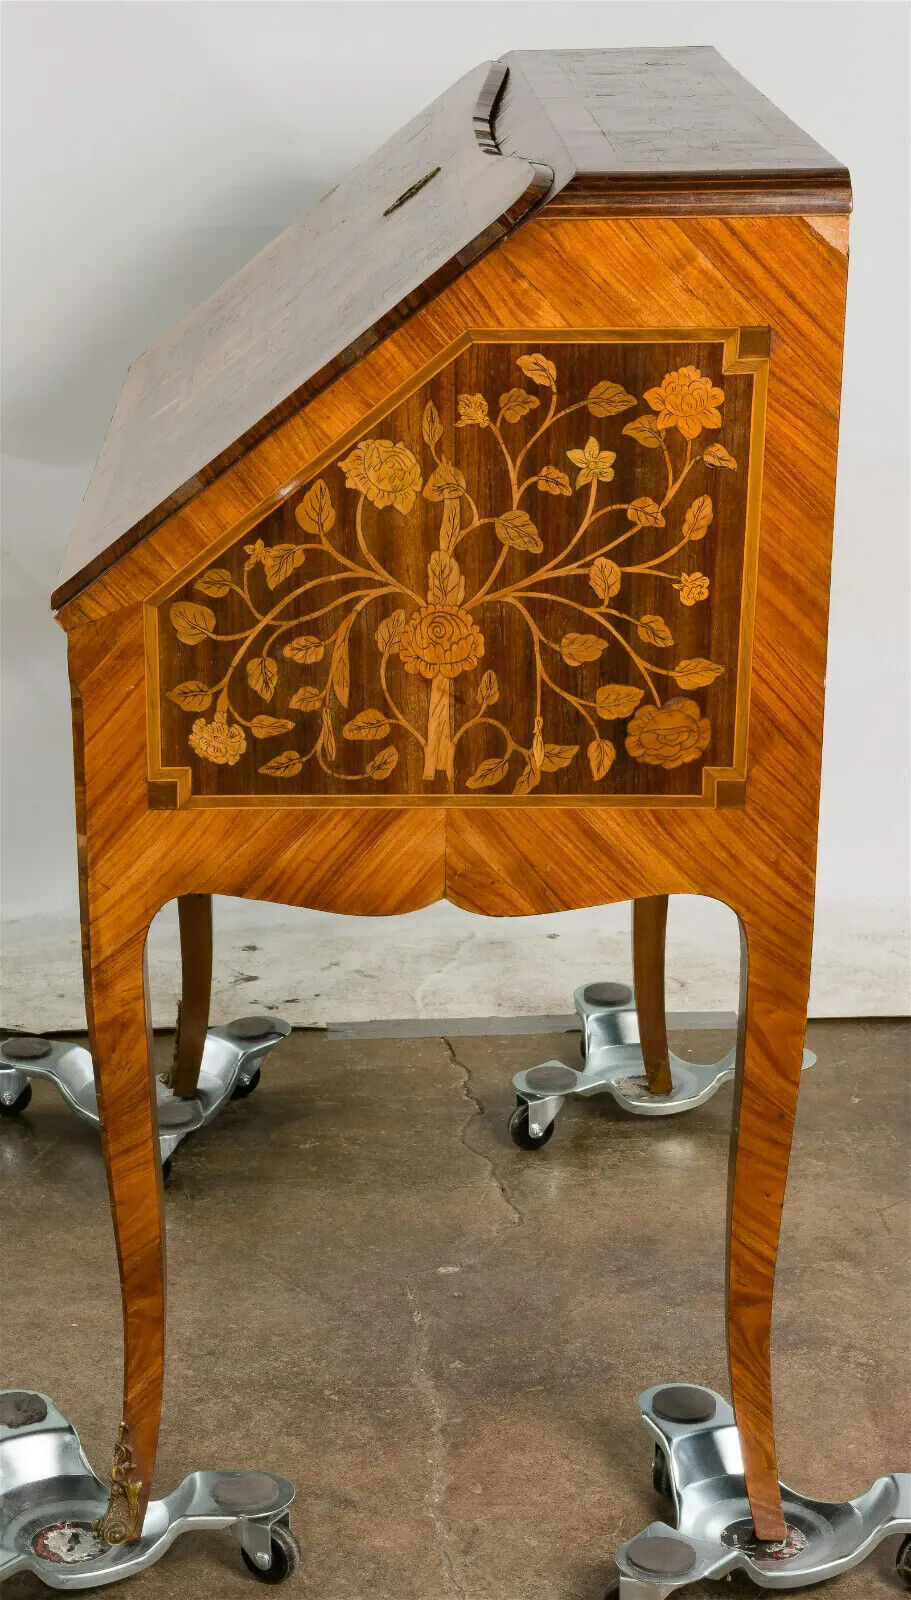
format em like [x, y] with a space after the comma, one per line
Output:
[477, 1105]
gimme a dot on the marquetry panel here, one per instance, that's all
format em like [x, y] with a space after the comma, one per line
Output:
[530, 576]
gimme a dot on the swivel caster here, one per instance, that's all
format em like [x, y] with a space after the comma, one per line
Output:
[166, 1167]
[903, 1562]
[286, 1554]
[661, 1475]
[613, 1593]
[242, 1088]
[520, 1132]
[14, 1108]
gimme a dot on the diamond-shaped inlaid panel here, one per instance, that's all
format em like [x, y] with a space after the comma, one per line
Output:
[526, 579]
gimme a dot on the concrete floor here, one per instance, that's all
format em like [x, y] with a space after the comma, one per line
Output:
[439, 1338]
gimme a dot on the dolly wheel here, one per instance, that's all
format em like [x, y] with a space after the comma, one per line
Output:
[286, 1554]
[520, 1132]
[903, 1562]
[17, 1106]
[245, 1086]
[613, 1593]
[661, 1475]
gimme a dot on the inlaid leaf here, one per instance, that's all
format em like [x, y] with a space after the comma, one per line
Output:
[327, 736]
[262, 676]
[489, 691]
[306, 699]
[528, 780]
[698, 517]
[553, 481]
[576, 648]
[431, 426]
[192, 622]
[305, 649]
[286, 765]
[445, 584]
[382, 764]
[339, 667]
[445, 483]
[216, 582]
[538, 369]
[516, 403]
[389, 632]
[269, 727]
[192, 696]
[654, 630]
[557, 755]
[516, 529]
[645, 431]
[605, 577]
[492, 771]
[607, 399]
[315, 512]
[472, 411]
[696, 672]
[645, 512]
[601, 755]
[617, 700]
[717, 456]
[369, 724]
[280, 560]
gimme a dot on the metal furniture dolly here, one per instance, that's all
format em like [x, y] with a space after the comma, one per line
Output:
[229, 1069]
[613, 1064]
[474, 543]
[698, 1467]
[60, 1522]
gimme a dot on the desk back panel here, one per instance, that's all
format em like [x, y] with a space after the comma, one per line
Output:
[529, 578]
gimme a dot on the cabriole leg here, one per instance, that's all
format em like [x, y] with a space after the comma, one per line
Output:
[194, 914]
[118, 1010]
[775, 979]
[649, 931]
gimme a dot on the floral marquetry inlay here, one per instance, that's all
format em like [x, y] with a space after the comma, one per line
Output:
[526, 579]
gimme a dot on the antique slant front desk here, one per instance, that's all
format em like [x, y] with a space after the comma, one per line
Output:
[473, 541]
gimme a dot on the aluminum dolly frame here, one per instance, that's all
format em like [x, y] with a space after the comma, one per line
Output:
[698, 1467]
[231, 1063]
[52, 1503]
[613, 1064]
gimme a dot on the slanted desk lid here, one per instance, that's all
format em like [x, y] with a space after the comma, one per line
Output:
[414, 214]
[617, 129]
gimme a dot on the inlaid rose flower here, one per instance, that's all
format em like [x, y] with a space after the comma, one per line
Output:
[440, 642]
[218, 740]
[388, 474]
[687, 401]
[692, 587]
[668, 735]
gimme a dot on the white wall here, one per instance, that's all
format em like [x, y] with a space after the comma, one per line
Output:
[148, 151]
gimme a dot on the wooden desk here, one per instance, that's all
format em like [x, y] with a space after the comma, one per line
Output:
[474, 542]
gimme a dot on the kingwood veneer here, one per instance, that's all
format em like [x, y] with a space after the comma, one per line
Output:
[474, 542]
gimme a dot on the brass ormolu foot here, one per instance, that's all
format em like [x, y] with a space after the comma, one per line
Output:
[121, 1523]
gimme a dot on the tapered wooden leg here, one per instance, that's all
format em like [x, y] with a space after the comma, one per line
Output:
[775, 980]
[117, 1003]
[649, 930]
[194, 915]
